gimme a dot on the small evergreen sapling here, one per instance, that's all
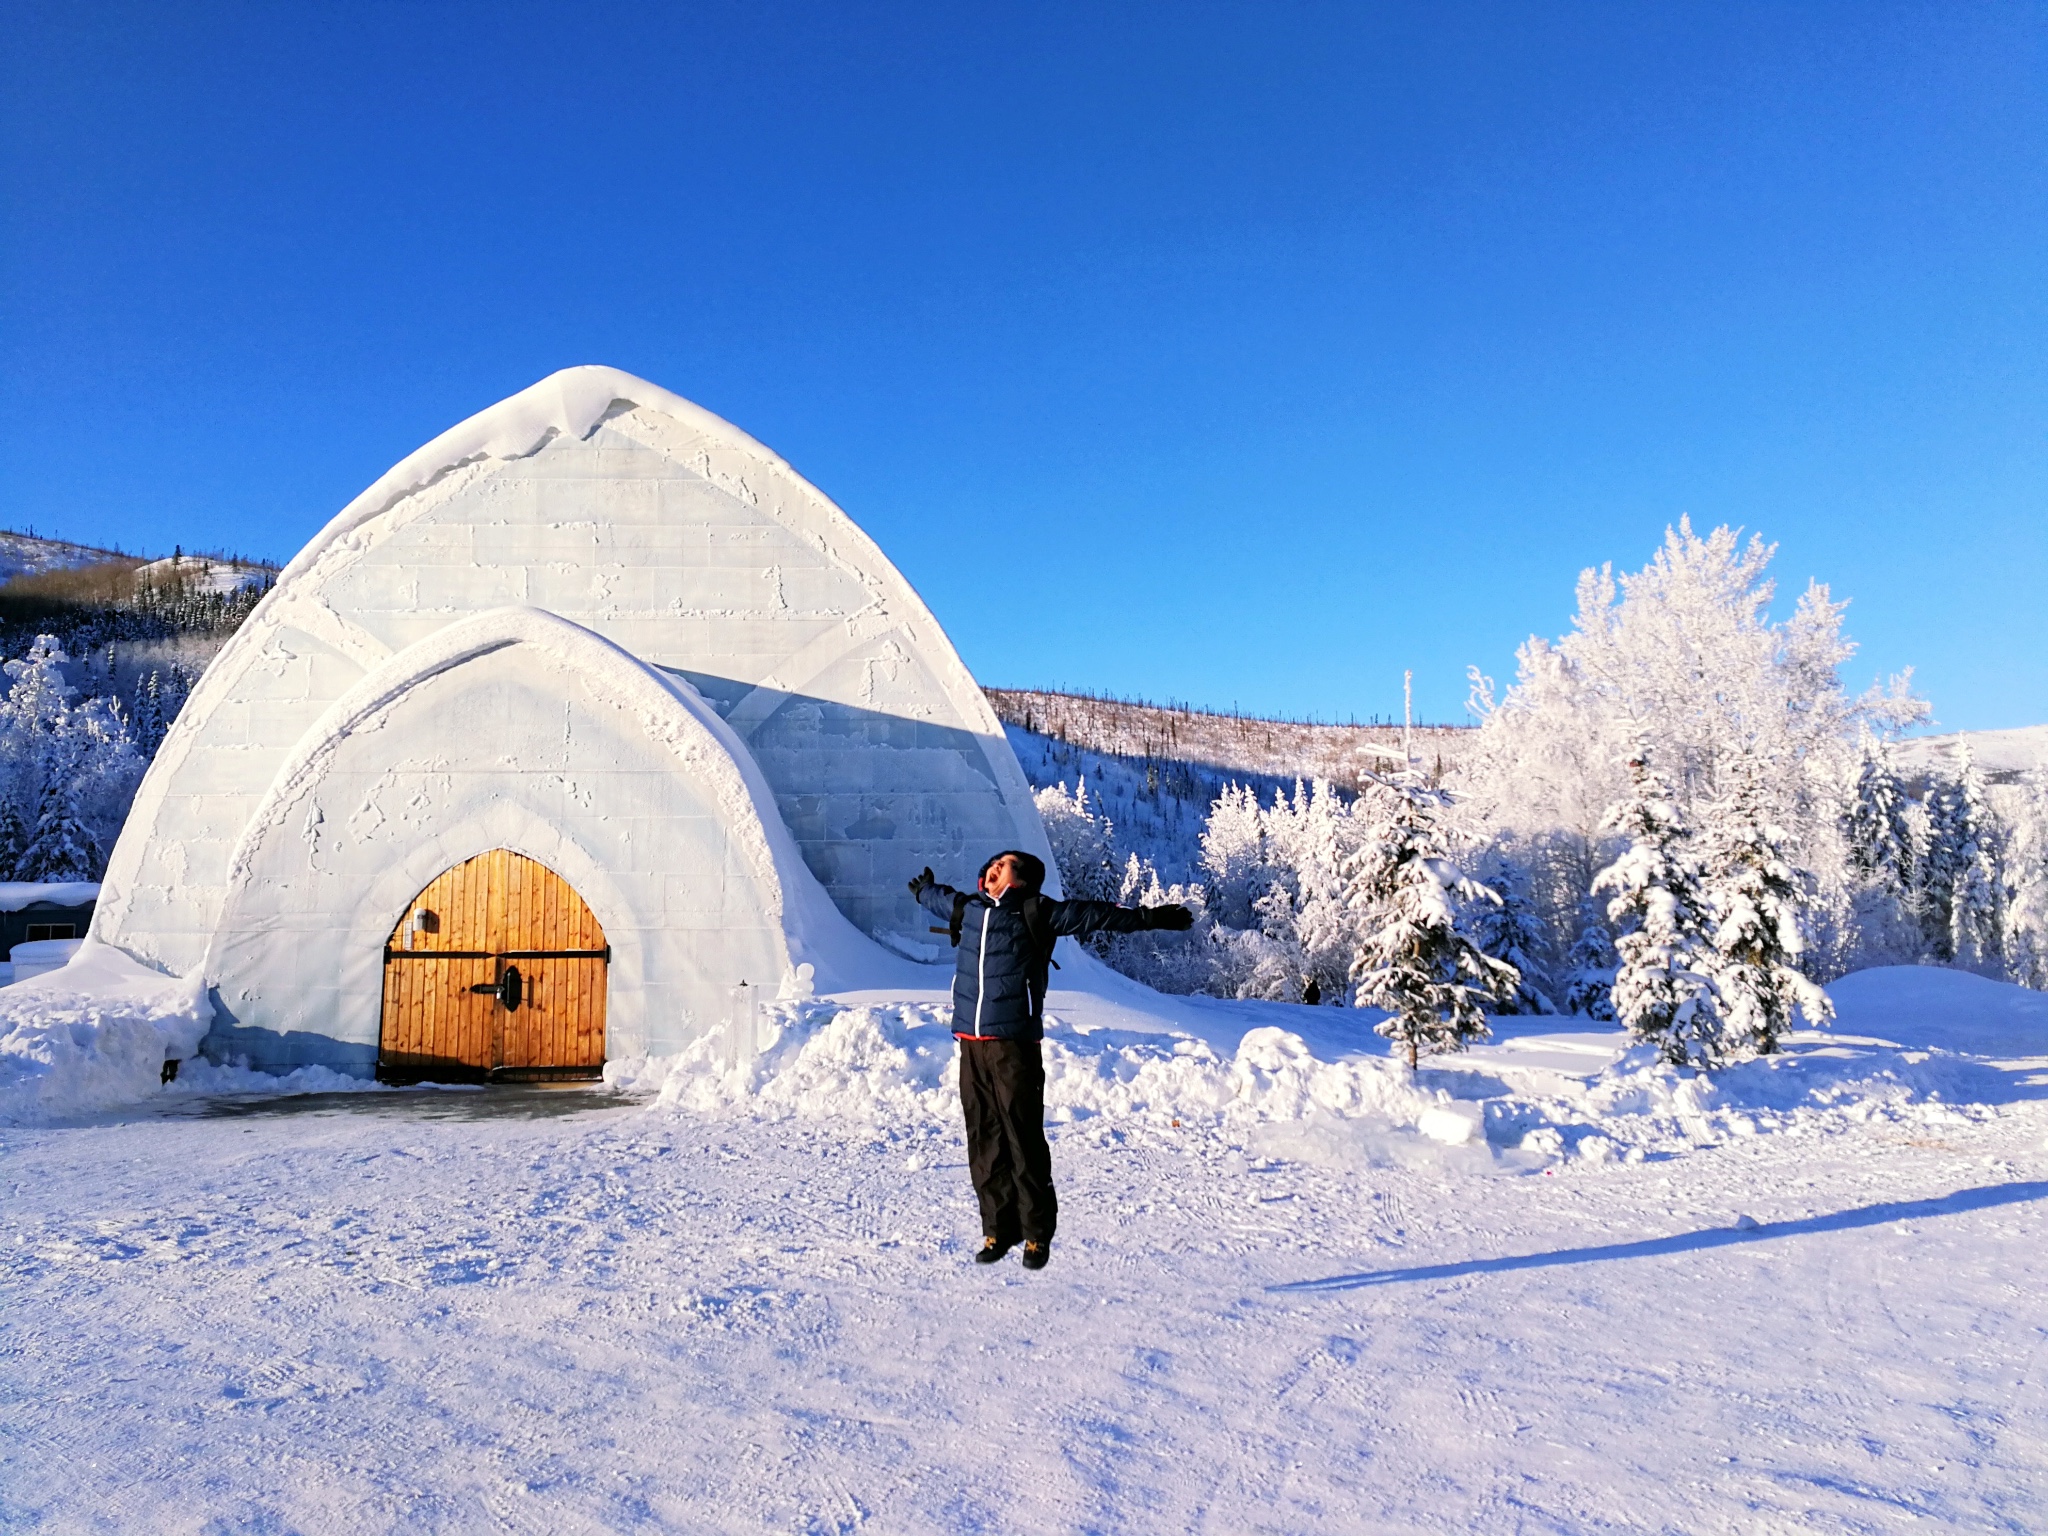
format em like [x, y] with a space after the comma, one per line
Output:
[149, 727]
[1414, 962]
[1589, 988]
[1660, 994]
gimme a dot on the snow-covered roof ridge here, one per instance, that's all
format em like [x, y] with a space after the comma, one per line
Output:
[571, 402]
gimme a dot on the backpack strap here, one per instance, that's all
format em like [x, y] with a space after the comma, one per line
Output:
[952, 928]
[1032, 910]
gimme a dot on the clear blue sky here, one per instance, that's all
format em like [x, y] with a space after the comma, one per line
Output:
[1228, 354]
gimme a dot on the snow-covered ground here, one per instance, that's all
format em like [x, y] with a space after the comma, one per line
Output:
[1545, 1286]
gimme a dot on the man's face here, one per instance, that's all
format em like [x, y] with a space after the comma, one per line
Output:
[1000, 877]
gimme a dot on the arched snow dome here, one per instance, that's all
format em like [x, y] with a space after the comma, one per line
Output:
[593, 688]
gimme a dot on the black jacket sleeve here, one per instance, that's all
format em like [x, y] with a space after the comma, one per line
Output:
[938, 900]
[1078, 919]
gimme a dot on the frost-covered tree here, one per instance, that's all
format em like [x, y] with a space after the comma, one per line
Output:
[1753, 895]
[1234, 856]
[1308, 914]
[1590, 965]
[68, 771]
[1685, 657]
[1084, 844]
[1414, 961]
[1977, 901]
[1660, 992]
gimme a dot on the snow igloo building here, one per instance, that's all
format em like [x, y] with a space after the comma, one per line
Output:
[587, 712]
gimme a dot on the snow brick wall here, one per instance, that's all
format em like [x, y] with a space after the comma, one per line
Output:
[600, 627]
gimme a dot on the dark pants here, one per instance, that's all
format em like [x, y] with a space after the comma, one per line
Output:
[1002, 1095]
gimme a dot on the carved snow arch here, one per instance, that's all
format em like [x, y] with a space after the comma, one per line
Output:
[684, 862]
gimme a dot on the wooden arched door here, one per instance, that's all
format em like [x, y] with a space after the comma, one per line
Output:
[497, 970]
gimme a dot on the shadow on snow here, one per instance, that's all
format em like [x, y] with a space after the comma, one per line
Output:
[1691, 1242]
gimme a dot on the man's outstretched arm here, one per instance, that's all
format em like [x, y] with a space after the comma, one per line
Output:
[934, 897]
[1078, 919]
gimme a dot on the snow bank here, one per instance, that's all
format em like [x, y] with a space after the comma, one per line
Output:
[93, 1035]
[891, 1064]
[202, 1078]
[894, 1066]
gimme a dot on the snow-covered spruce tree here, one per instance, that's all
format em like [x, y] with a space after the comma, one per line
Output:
[1506, 927]
[1660, 994]
[1590, 965]
[1864, 907]
[1976, 909]
[1957, 864]
[1876, 823]
[1413, 960]
[61, 847]
[14, 835]
[1753, 893]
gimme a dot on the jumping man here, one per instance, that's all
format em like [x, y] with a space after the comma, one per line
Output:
[1005, 932]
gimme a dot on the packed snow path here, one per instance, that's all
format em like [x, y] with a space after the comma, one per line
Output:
[389, 1314]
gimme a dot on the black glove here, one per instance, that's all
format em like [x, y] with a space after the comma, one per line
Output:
[1173, 916]
[922, 883]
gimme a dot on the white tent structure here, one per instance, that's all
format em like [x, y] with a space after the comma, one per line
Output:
[594, 685]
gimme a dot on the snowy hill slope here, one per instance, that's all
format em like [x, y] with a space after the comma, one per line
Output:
[23, 554]
[1237, 746]
[2002, 755]
[1155, 771]
[201, 573]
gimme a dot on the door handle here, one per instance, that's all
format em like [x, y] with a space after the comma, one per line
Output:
[509, 988]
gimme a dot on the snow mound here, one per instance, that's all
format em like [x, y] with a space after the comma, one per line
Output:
[1931, 1007]
[93, 1035]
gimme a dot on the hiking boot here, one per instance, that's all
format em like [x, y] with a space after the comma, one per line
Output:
[1035, 1255]
[993, 1248]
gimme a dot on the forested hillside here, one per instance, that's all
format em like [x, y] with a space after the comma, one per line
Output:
[101, 649]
